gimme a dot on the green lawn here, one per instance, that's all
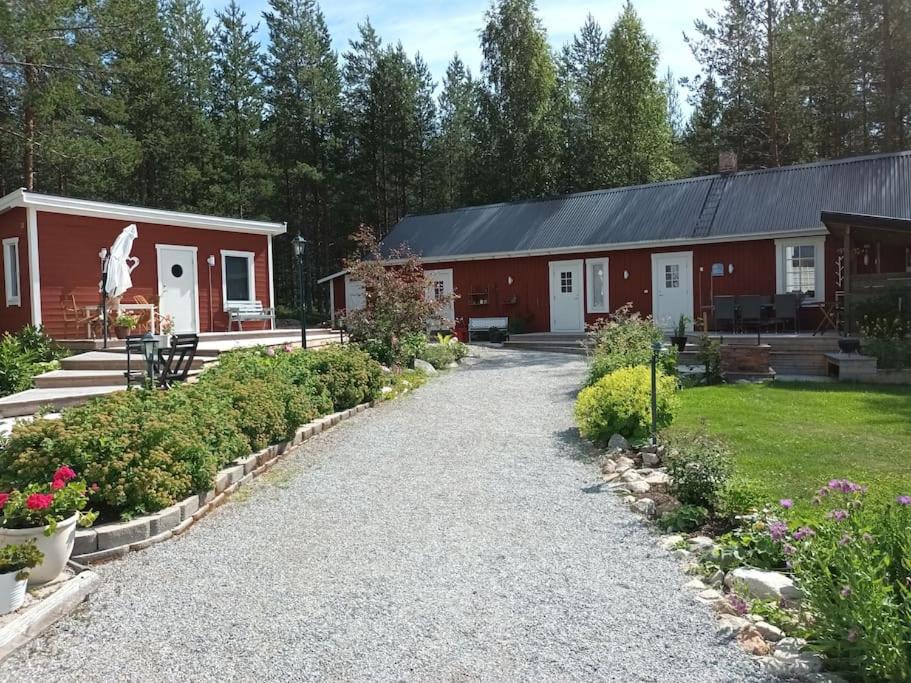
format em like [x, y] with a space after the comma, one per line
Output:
[790, 438]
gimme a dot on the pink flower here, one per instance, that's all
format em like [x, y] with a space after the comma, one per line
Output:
[903, 500]
[288, 348]
[64, 473]
[845, 540]
[788, 549]
[803, 532]
[3, 498]
[838, 515]
[94, 488]
[778, 530]
[786, 503]
[39, 501]
[58, 484]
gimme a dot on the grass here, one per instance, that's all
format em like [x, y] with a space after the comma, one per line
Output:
[790, 438]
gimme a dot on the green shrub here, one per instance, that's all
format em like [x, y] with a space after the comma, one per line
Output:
[699, 467]
[686, 518]
[348, 374]
[23, 355]
[624, 340]
[438, 355]
[754, 544]
[708, 352]
[620, 403]
[737, 499]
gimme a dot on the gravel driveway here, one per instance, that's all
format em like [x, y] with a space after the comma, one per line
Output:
[446, 536]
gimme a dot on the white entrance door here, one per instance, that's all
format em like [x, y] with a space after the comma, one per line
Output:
[672, 288]
[566, 303]
[177, 286]
[440, 287]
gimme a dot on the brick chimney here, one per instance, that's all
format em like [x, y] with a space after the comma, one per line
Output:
[727, 162]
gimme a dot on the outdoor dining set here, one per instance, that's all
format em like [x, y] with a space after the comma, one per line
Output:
[755, 312]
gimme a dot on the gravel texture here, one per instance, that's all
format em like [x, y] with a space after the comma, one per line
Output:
[452, 535]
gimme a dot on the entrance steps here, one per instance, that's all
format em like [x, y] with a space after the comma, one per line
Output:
[112, 360]
[791, 354]
[31, 401]
[543, 341]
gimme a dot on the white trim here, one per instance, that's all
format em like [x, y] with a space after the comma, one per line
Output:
[195, 252]
[7, 279]
[688, 256]
[580, 263]
[271, 277]
[620, 246]
[251, 276]
[819, 243]
[589, 292]
[443, 274]
[349, 297]
[331, 277]
[82, 207]
[34, 273]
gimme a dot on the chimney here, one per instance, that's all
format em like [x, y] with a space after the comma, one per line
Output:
[727, 162]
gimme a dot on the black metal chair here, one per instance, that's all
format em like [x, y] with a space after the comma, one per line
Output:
[724, 309]
[176, 366]
[750, 310]
[134, 348]
[786, 309]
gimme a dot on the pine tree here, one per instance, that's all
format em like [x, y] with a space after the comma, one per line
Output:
[702, 135]
[638, 132]
[455, 148]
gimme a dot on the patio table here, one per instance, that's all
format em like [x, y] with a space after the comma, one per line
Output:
[126, 307]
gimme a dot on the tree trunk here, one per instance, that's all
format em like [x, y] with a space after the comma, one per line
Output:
[28, 154]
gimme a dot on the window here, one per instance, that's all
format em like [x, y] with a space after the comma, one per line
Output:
[11, 271]
[597, 285]
[237, 277]
[566, 282]
[439, 290]
[672, 276]
[800, 267]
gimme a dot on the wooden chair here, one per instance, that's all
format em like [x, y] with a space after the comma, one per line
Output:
[145, 317]
[74, 316]
[176, 366]
[134, 349]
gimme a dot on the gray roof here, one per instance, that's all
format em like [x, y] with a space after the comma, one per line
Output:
[747, 203]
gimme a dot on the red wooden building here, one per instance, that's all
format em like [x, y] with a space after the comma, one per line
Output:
[192, 266]
[669, 248]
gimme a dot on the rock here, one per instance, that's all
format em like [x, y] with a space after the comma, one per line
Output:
[608, 466]
[762, 584]
[750, 641]
[624, 463]
[646, 506]
[385, 390]
[790, 647]
[681, 554]
[385, 369]
[649, 448]
[769, 632]
[701, 544]
[715, 579]
[755, 618]
[424, 367]
[650, 459]
[639, 486]
[671, 542]
[613, 476]
[658, 479]
[692, 568]
[629, 500]
[823, 678]
[452, 365]
[618, 442]
[730, 625]
[695, 584]
[709, 596]
[788, 664]
[631, 475]
[725, 607]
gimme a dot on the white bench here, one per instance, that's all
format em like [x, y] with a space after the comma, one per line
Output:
[485, 325]
[240, 313]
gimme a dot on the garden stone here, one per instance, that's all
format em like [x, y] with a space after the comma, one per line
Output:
[790, 666]
[424, 367]
[658, 479]
[452, 365]
[790, 646]
[750, 641]
[730, 625]
[681, 554]
[671, 542]
[608, 467]
[631, 475]
[86, 542]
[709, 596]
[695, 584]
[701, 544]
[646, 506]
[769, 632]
[611, 477]
[122, 534]
[618, 442]
[165, 520]
[650, 459]
[638, 486]
[692, 568]
[629, 500]
[723, 607]
[716, 578]
[385, 390]
[823, 678]
[624, 463]
[763, 585]
[188, 507]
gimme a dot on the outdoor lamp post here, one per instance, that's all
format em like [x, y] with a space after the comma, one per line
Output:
[103, 256]
[299, 244]
[150, 352]
[656, 352]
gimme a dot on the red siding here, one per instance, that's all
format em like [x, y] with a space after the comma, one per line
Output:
[68, 262]
[12, 318]
[338, 292]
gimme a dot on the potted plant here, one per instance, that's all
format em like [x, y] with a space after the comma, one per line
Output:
[47, 514]
[15, 562]
[679, 338]
[166, 327]
[124, 324]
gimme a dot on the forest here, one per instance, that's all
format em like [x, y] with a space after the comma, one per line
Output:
[152, 102]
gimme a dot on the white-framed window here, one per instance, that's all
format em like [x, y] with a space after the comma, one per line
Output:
[596, 271]
[11, 271]
[238, 285]
[800, 267]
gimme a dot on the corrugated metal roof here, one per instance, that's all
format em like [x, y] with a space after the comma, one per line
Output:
[752, 202]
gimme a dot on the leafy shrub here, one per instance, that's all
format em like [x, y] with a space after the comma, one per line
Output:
[620, 403]
[624, 340]
[754, 544]
[348, 374]
[699, 467]
[23, 355]
[20, 558]
[890, 354]
[438, 355]
[737, 499]
[708, 352]
[686, 518]
[411, 347]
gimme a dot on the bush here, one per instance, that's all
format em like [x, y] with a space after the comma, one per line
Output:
[708, 352]
[23, 355]
[438, 355]
[620, 403]
[737, 499]
[625, 340]
[686, 518]
[699, 467]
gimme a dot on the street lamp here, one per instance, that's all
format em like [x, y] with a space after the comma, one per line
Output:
[656, 352]
[299, 244]
[150, 352]
[103, 256]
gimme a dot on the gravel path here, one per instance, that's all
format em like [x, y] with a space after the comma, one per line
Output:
[446, 536]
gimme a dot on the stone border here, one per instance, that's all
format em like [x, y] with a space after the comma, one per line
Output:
[114, 540]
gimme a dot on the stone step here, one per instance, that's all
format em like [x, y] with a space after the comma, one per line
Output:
[109, 360]
[31, 401]
[56, 379]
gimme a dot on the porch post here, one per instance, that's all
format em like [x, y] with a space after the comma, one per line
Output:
[849, 264]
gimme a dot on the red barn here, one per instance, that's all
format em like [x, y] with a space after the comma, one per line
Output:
[553, 265]
[193, 267]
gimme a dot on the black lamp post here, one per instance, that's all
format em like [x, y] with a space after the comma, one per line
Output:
[299, 244]
[656, 351]
[105, 260]
[150, 353]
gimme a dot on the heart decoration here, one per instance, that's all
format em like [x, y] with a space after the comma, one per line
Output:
[132, 262]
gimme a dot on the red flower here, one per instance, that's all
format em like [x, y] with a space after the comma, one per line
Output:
[3, 498]
[58, 484]
[64, 473]
[39, 501]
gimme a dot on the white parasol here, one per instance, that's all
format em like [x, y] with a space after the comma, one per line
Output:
[120, 263]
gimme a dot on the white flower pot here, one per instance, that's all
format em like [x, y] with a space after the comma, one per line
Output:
[12, 592]
[56, 547]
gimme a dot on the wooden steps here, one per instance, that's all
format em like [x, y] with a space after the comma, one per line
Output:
[111, 360]
[31, 401]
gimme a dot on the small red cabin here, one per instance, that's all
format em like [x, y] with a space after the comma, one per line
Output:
[190, 267]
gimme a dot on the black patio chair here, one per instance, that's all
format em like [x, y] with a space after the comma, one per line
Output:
[750, 310]
[786, 308]
[134, 348]
[176, 366]
[724, 309]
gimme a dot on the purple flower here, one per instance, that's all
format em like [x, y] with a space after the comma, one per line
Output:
[803, 532]
[867, 537]
[845, 591]
[788, 549]
[845, 540]
[846, 486]
[838, 515]
[786, 503]
[739, 604]
[903, 500]
[778, 530]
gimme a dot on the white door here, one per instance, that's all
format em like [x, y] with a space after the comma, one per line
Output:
[355, 297]
[177, 286]
[566, 302]
[440, 287]
[672, 288]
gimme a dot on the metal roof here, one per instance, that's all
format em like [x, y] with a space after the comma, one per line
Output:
[709, 208]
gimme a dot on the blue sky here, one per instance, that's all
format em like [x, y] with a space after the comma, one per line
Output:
[438, 28]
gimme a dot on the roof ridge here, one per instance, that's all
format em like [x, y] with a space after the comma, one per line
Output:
[824, 162]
